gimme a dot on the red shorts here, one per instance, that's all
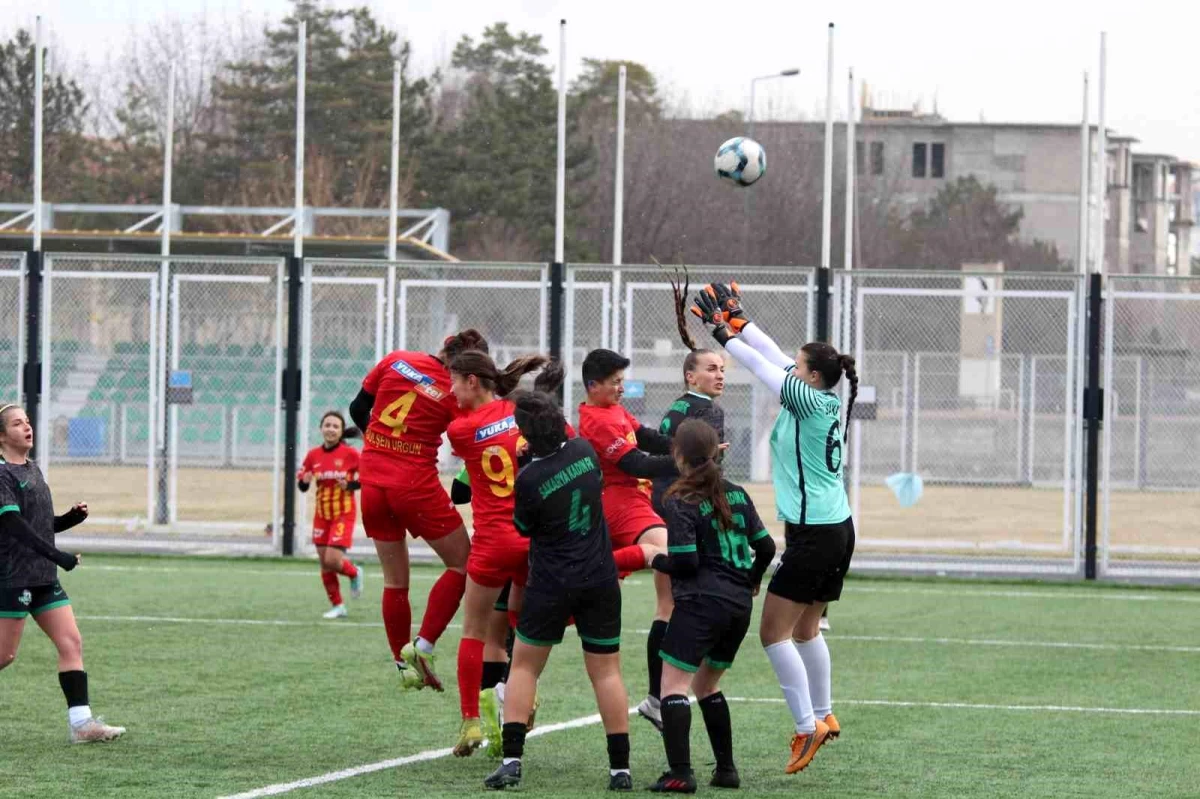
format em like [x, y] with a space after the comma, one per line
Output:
[335, 532]
[629, 514]
[496, 559]
[420, 507]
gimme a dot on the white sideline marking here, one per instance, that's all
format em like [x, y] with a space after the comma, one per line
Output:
[420, 757]
[1112, 596]
[883, 639]
[1137, 711]
[235, 571]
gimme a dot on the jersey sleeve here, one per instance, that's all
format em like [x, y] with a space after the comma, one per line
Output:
[351, 463]
[525, 507]
[307, 466]
[609, 441]
[799, 397]
[682, 521]
[455, 435]
[8, 494]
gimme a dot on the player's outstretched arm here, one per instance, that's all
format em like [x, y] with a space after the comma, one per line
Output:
[770, 374]
[681, 558]
[75, 516]
[729, 299]
[636, 463]
[652, 441]
[11, 524]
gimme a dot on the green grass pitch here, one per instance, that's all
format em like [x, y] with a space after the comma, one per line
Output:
[229, 681]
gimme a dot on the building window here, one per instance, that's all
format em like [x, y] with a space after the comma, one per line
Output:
[918, 161]
[859, 158]
[876, 158]
[937, 160]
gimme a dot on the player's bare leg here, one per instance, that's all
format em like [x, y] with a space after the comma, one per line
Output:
[653, 542]
[397, 612]
[59, 625]
[527, 665]
[10, 640]
[444, 599]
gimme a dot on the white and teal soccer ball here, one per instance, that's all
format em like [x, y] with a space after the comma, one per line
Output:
[741, 161]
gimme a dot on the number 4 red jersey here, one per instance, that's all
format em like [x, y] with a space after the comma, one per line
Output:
[413, 406]
[487, 439]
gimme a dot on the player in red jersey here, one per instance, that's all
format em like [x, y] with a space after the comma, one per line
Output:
[487, 439]
[334, 467]
[404, 406]
[631, 455]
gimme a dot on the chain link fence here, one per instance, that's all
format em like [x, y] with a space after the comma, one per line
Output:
[12, 329]
[1151, 432]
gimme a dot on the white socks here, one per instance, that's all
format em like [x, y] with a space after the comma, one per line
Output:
[793, 679]
[79, 714]
[815, 655]
[508, 760]
[423, 646]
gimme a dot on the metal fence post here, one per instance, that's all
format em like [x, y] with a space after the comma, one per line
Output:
[291, 402]
[557, 280]
[1093, 412]
[822, 300]
[33, 336]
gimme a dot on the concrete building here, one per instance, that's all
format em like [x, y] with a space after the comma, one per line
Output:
[1150, 203]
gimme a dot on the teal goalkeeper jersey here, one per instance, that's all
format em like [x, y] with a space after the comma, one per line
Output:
[806, 446]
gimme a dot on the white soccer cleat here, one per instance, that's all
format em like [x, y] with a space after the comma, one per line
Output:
[336, 612]
[356, 585]
[651, 710]
[93, 731]
[823, 626]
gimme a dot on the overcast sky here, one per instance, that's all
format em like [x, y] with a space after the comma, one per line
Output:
[1013, 61]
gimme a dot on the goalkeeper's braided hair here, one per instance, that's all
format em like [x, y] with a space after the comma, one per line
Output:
[831, 364]
[680, 301]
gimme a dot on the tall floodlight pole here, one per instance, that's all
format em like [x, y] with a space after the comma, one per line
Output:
[37, 135]
[747, 196]
[1081, 257]
[619, 179]
[560, 191]
[394, 190]
[827, 201]
[301, 71]
[1101, 159]
[158, 388]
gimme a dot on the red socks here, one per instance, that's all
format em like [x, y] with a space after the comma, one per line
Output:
[470, 676]
[349, 569]
[397, 617]
[513, 616]
[444, 599]
[630, 558]
[330, 579]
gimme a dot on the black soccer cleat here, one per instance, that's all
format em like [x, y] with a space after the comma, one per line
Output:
[621, 781]
[507, 776]
[670, 782]
[725, 778]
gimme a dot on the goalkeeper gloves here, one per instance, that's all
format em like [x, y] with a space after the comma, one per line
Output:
[709, 310]
[729, 299]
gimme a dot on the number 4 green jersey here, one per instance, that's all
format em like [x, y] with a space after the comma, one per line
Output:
[806, 445]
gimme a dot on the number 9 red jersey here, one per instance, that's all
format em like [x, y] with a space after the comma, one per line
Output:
[487, 440]
[413, 406]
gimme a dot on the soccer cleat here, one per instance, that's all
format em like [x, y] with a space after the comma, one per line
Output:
[537, 702]
[335, 612]
[805, 746]
[409, 679]
[489, 715]
[823, 625]
[424, 666]
[507, 776]
[621, 781]
[651, 710]
[356, 584]
[470, 738]
[835, 729]
[94, 730]
[670, 782]
[725, 778]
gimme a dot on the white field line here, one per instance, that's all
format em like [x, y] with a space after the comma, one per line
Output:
[883, 639]
[383, 765]
[423, 575]
[1016, 593]
[1133, 711]
[584, 721]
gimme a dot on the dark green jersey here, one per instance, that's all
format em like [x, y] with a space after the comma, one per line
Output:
[23, 490]
[558, 507]
[691, 405]
[726, 556]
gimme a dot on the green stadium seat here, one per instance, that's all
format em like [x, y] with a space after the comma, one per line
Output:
[211, 350]
[255, 351]
[212, 435]
[366, 353]
[234, 350]
[131, 380]
[239, 382]
[257, 436]
[97, 395]
[190, 435]
[215, 383]
[139, 433]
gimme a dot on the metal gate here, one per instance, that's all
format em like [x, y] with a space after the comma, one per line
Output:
[99, 345]
[976, 392]
[226, 331]
[1151, 429]
[12, 329]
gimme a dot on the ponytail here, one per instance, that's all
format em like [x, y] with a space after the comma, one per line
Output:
[550, 379]
[847, 364]
[501, 383]
[347, 432]
[697, 445]
[680, 302]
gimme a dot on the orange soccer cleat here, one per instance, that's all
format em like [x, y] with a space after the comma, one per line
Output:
[805, 746]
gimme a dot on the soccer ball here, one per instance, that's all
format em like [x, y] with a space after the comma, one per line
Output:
[741, 161]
